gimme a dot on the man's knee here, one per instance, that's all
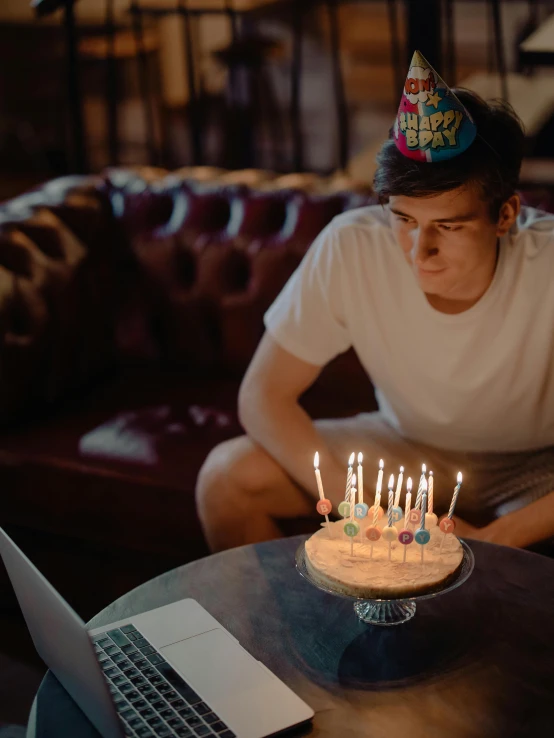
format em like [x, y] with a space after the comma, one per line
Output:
[229, 471]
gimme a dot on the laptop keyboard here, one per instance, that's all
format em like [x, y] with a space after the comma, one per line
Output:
[152, 699]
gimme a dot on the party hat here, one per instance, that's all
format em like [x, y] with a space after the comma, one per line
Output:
[431, 123]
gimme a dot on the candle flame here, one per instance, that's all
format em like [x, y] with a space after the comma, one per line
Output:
[459, 477]
[360, 457]
[409, 484]
[430, 473]
[401, 470]
[351, 459]
[381, 463]
[423, 468]
[424, 485]
[353, 480]
[391, 481]
[316, 459]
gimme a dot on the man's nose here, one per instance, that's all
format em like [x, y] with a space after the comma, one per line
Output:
[423, 245]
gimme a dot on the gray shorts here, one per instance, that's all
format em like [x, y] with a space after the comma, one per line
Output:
[493, 483]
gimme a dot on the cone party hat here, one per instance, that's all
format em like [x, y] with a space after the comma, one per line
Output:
[431, 123]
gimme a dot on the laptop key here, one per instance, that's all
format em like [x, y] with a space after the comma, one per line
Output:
[145, 732]
[153, 697]
[203, 730]
[227, 734]
[145, 688]
[141, 643]
[130, 671]
[175, 722]
[156, 659]
[155, 721]
[103, 657]
[127, 628]
[219, 727]
[117, 637]
[126, 688]
[147, 650]
[111, 649]
[156, 679]
[163, 732]
[127, 713]
[185, 712]
[119, 658]
[132, 696]
[171, 695]
[179, 684]
[202, 708]
[167, 714]
[138, 680]
[135, 722]
[102, 640]
[178, 703]
[142, 664]
[184, 732]
[128, 648]
[194, 721]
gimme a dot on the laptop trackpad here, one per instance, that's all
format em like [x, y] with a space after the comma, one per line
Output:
[220, 670]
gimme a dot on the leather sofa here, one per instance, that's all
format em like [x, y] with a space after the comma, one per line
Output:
[130, 305]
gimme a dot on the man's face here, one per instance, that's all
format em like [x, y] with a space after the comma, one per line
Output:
[449, 241]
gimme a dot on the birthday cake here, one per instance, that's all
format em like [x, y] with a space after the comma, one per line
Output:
[368, 572]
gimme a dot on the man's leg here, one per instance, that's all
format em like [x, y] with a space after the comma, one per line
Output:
[241, 491]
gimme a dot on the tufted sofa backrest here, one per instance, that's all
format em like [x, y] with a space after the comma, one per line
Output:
[143, 265]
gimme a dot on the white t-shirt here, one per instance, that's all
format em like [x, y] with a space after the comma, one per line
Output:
[481, 380]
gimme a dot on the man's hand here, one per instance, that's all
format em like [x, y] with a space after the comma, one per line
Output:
[465, 530]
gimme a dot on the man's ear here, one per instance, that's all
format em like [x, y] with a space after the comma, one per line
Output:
[508, 214]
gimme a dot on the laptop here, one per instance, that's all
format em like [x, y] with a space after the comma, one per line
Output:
[172, 671]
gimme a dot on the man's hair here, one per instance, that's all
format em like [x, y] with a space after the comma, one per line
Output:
[491, 163]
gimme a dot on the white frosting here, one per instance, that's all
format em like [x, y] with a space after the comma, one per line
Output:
[372, 575]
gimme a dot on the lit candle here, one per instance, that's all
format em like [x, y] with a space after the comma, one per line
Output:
[380, 477]
[360, 478]
[318, 476]
[406, 536]
[399, 487]
[455, 496]
[391, 499]
[422, 481]
[352, 496]
[423, 536]
[431, 519]
[408, 504]
[447, 525]
[323, 506]
[430, 493]
[349, 475]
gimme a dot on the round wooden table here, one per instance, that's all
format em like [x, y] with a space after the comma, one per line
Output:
[475, 663]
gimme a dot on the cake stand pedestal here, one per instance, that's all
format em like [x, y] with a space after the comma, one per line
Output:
[389, 611]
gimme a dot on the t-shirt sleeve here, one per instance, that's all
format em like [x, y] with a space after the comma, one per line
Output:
[308, 318]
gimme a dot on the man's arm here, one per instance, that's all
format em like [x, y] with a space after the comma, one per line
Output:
[521, 528]
[271, 415]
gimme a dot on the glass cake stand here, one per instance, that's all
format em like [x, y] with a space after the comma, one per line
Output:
[389, 611]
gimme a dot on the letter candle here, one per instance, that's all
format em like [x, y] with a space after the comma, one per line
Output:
[389, 532]
[344, 507]
[376, 510]
[323, 506]
[361, 509]
[447, 525]
[399, 487]
[422, 536]
[406, 536]
[397, 510]
[422, 480]
[372, 532]
[431, 519]
[351, 528]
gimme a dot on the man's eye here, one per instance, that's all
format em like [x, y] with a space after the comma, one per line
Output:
[450, 228]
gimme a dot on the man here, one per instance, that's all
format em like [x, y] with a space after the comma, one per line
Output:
[445, 294]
